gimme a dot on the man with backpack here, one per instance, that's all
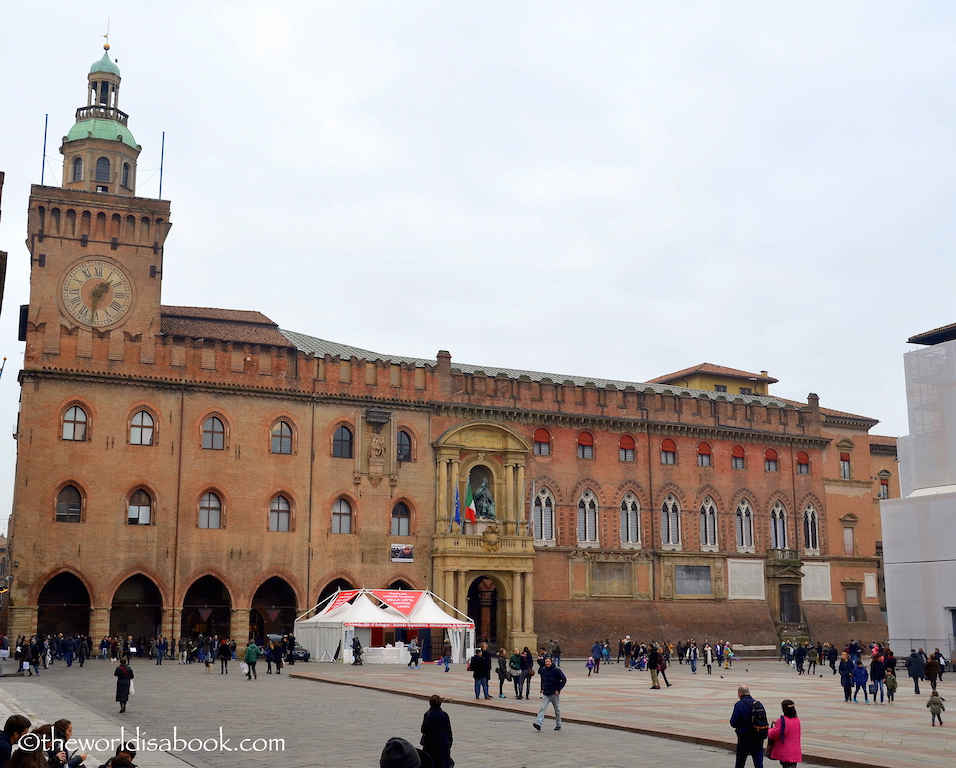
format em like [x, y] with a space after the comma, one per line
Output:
[749, 721]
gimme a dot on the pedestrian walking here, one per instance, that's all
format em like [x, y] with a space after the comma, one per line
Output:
[553, 681]
[784, 737]
[357, 653]
[224, 655]
[436, 734]
[916, 668]
[124, 682]
[708, 657]
[846, 675]
[251, 656]
[878, 677]
[749, 721]
[931, 671]
[691, 656]
[501, 669]
[446, 654]
[891, 684]
[479, 671]
[597, 653]
[936, 708]
[860, 676]
[414, 653]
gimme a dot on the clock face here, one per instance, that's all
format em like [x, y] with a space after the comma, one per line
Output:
[97, 293]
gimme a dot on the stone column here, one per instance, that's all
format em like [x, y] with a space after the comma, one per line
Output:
[22, 620]
[99, 622]
[172, 623]
[449, 593]
[509, 495]
[519, 490]
[529, 602]
[441, 500]
[239, 627]
[461, 598]
[517, 614]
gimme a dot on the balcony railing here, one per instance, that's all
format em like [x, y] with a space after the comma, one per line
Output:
[105, 113]
[783, 554]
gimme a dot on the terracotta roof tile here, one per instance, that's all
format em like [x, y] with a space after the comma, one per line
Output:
[713, 370]
[238, 326]
[882, 440]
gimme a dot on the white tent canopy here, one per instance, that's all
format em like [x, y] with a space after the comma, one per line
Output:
[328, 635]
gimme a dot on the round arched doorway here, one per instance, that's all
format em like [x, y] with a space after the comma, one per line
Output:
[483, 608]
[63, 606]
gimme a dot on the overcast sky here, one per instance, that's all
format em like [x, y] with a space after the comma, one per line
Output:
[617, 190]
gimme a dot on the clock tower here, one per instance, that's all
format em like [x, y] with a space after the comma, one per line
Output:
[96, 249]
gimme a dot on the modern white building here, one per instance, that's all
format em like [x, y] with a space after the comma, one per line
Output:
[919, 529]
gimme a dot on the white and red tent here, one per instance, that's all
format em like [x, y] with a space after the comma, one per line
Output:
[328, 634]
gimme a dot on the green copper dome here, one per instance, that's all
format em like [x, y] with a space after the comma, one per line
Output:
[101, 129]
[105, 65]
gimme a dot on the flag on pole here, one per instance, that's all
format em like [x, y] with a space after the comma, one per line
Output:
[457, 506]
[470, 515]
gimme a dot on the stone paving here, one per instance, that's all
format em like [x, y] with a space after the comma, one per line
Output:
[331, 714]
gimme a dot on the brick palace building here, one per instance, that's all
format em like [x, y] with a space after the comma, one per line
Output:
[185, 469]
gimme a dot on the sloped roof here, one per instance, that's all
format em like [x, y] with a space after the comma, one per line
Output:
[714, 370]
[935, 336]
[321, 347]
[238, 326]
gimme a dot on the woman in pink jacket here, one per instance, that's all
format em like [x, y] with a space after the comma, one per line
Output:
[785, 733]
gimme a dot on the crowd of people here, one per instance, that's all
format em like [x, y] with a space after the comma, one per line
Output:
[47, 746]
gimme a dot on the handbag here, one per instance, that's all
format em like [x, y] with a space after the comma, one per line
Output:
[872, 689]
[773, 743]
[132, 688]
[25, 666]
[244, 668]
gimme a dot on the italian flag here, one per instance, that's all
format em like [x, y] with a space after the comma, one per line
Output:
[469, 504]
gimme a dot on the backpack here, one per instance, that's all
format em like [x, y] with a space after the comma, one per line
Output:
[758, 719]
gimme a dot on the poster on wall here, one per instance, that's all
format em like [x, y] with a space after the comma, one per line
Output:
[403, 553]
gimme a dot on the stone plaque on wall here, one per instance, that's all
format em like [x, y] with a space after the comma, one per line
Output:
[746, 580]
[869, 585]
[692, 580]
[611, 580]
[816, 582]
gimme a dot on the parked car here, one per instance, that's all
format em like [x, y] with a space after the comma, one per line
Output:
[298, 654]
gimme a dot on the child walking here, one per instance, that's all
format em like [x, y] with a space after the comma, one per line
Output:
[936, 708]
[891, 684]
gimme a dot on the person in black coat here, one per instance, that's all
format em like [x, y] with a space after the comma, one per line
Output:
[436, 734]
[124, 677]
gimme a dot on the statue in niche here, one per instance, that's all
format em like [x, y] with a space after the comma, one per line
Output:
[376, 448]
[484, 503]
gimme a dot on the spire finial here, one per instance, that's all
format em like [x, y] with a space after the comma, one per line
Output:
[106, 45]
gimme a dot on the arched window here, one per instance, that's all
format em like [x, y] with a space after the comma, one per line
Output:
[401, 519]
[670, 521]
[281, 437]
[627, 448]
[668, 452]
[811, 529]
[139, 508]
[708, 522]
[745, 525]
[771, 460]
[585, 445]
[210, 511]
[141, 429]
[102, 169]
[74, 424]
[341, 517]
[704, 455]
[543, 516]
[587, 519]
[778, 526]
[630, 519]
[213, 434]
[542, 442]
[280, 512]
[403, 446]
[342, 443]
[126, 175]
[77, 169]
[68, 505]
[737, 457]
[803, 463]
